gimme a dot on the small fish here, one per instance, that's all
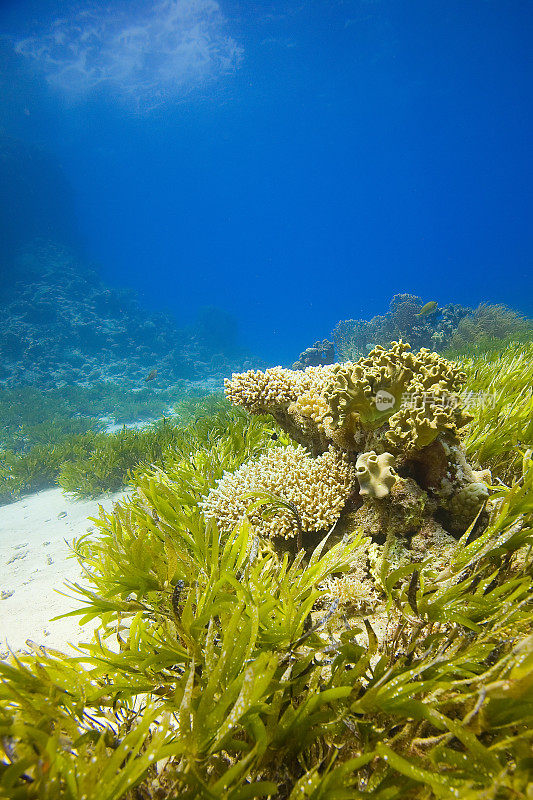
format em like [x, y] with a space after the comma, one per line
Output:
[427, 309]
[176, 595]
[151, 376]
[411, 592]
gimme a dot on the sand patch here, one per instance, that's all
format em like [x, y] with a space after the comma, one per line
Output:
[35, 561]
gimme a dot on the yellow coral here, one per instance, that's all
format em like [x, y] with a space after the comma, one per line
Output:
[317, 487]
[392, 400]
[310, 405]
[369, 394]
[428, 412]
[375, 474]
[293, 398]
[261, 392]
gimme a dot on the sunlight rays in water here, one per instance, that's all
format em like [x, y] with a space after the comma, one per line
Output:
[160, 53]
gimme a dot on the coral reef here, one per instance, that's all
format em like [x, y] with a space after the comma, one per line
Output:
[351, 338]
[375, 474]
[316, 487]
[394, 418]
[319, 354]
[354, 338]
[222, 668]
[453, 327]
[488, 323]
[448, 321]
[391, 400]
[392, 661]
[59, 324]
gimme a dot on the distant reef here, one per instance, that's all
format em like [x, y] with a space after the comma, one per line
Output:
[60, 324]
[452, 328]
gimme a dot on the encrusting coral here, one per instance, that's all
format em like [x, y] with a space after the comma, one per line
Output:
[390, 421]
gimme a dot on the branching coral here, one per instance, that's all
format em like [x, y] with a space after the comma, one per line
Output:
[293, 398]
[317, 488]
[391, 400]
[259, 392]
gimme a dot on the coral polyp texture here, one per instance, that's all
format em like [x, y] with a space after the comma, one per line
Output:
[392, 400]
[383, 431]
[316, 487]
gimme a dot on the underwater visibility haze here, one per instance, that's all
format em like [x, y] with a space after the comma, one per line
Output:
[292, 163]
[266, 399]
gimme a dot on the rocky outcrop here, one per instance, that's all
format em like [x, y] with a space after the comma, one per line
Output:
[320, 354]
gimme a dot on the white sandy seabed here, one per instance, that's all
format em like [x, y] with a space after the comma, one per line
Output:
[35, 562]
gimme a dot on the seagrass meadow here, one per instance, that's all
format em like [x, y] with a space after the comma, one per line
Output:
[59, 437]
[316, 592]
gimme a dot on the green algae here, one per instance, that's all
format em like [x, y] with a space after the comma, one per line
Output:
[251, 683]
[91, 462]
[31, 416]
[501, 430]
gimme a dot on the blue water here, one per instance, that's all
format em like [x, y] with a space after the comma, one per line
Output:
[293, 163]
